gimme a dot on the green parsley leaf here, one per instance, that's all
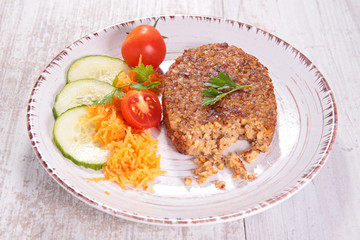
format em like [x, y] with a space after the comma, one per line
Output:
[210, 92]
[213, 94]
[212, 100]
[140, 86]
[116, 79]
[108, 98]
[119, 93]
[222, 82]
[143, 72]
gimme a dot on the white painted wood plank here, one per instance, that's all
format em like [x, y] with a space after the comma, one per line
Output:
[328, 208]
[33, 206]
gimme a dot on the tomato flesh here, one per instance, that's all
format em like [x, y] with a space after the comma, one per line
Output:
[141, 109]
[146, 41]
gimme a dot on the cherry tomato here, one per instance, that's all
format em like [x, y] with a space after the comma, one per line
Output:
[147, 41]
[141, 109]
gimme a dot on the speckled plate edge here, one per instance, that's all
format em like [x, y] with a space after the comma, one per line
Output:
[307, 176]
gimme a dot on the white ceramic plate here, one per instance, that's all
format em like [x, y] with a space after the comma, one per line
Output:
[306, 127]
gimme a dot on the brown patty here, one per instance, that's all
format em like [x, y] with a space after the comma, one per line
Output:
[248, 114]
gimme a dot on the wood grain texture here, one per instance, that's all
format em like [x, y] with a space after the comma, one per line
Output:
[33, 206]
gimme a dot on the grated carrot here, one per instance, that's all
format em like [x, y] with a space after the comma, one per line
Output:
[133, 159]
[109, 123]
[157, 77]
[124, 79]
[140, 60]
[132, 75]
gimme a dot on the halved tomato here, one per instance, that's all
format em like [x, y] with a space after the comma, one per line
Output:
[141, 109]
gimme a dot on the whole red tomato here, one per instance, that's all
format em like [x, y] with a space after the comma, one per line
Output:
[147, 41]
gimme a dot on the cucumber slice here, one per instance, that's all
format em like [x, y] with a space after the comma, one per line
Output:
[74, 138]
[80, 92]
[98, 67]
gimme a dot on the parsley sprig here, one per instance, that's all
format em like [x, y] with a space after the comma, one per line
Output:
[213, 93]
[142, 76]
[143, 72]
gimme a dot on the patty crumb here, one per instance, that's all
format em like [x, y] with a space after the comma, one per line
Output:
[187, 181]
[150, 189]
[220, 184]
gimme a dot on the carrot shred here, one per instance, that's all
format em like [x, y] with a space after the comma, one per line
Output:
[140, 60]
[132, 75]
[156, 76]
[109, 123]
[124, 79]
[133, 159]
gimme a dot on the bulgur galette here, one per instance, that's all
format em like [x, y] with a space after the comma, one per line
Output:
[206, 131]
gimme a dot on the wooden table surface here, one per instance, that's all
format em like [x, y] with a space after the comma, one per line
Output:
[34, 206]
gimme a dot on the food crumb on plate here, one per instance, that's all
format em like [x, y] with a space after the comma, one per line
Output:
[220, 184]
[150, 189]
[187, 181]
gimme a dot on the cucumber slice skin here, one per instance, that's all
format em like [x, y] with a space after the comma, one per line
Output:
[86, 64]
[92, 166]
[71, 91]
[59, 145]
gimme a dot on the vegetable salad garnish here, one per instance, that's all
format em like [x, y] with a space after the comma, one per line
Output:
[141, 81]
[106, 129]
